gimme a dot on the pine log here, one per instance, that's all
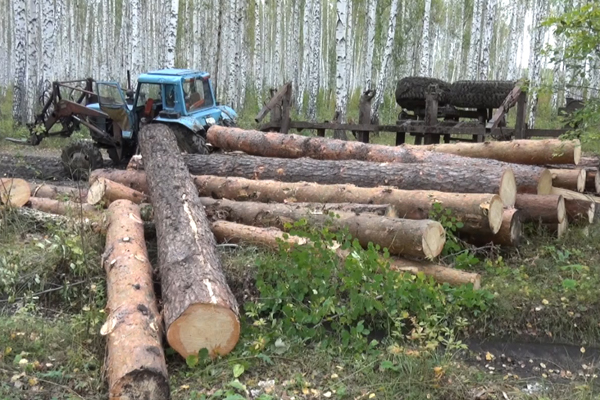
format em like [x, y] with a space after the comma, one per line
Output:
[532, 152]
[135, 363]
[68, 208]
[559, 229]
[592, 181]
[580, 210]
[199, 310]
[544, 208]
[57, 192]
[475, 211]
[445, 178]
[14, 192]
[572, 179]
[231, 232]
[416, 238]
[510, 233]
[135, 180]
[107, 191]
[572, 195]
[382, 210]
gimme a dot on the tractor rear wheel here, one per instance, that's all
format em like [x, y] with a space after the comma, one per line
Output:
[480, 94]
[188, 141]
[412, 91]
[79, 158]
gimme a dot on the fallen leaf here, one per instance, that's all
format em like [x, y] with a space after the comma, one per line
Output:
[489, 356]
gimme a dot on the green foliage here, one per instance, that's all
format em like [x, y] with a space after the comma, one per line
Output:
[311, 292]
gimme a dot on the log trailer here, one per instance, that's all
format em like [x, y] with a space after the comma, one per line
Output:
[181, 99]
[432, 111]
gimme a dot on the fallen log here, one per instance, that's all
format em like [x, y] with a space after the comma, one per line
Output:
[57, 192]
[444, 178]
[107, 191]
[592, 181]
[199, 309]
[68, 208]
[475, 211]
[382, 210]
[580, 210]
[572, 179]
[532, 152]
[510, 233]
[572, 195]
[543, 208]
[559, 229]
[230, 232]
[14, 192]
[416, 238]
[135, 363]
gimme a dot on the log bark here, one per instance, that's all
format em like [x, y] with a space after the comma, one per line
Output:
[559, 229]
[135, 363]
[530, 152]
[135, 163]
[199, 309]
[572, 179]
[445, 178]
[423, 238]
[544, 208]
[580, 210]
[135, 180]
[382, 210]
[272, 144]
[592, 181]
[54, 192]
[106, 191]
[14, 192]
[68, 208]
[231, 232]
[510, 233]
[572, 195]
[475, 211]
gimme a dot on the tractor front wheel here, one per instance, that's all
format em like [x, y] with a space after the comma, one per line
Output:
[79, 158]
[188, 141]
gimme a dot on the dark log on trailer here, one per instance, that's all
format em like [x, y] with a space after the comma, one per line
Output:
[199, 309]
[135, 363]
[416, 238]
[475, 211]
[230, 232]
[544, 208]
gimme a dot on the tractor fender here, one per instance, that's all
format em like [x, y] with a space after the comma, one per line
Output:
[227, 112]
[190, 123]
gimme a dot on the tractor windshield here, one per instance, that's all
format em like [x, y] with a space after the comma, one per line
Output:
[148, 93]
[197, 94]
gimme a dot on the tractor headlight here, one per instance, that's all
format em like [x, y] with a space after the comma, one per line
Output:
[210, 121]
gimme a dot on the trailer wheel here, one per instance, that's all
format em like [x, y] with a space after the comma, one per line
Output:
[479, 94]
[79, 158]
[411, 91]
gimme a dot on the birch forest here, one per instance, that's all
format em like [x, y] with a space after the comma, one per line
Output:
[330, 50]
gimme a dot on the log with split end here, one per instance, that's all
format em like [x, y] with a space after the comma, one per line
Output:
[580, 210]
[135, 363]
[417, 238]
[226, 231]
[106, 191]
[572, 179]
[510, 233]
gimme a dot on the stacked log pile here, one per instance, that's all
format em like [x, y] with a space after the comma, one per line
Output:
[382, 195]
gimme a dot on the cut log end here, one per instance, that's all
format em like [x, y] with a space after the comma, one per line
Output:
[495, 211]
[516, 229]
[561, 209]
[545, 183]
[96, 191]
[433, 240]
[142, 384]
[597, 182]
[508, 188]
[577, 153]
[14, 192]
[581, 179]
[208, 326]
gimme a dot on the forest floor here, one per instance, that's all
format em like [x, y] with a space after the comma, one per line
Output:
[536, 335]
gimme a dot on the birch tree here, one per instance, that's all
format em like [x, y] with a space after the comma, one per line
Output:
[487, 39]
[171, 34]
[135, 39]
[19, 46]
[537, 38]
[370, 44]
[475, 43]
[32, 59]
[387, 54]
[47, 45]
[341, 91]
[315, 67]
[424, 69]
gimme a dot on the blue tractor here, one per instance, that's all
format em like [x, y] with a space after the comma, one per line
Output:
[182, 99]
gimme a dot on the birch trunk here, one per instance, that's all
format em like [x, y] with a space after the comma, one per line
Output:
[315, 68]
[535, 66]
[487, 40]
[425, 61]
[32, 59]
[475, 43]
[19, 49]
[341, 91]
[387, 54]
[135, 39]
[48, 48]
[370, 46]
[171, 34]
[514, 46]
